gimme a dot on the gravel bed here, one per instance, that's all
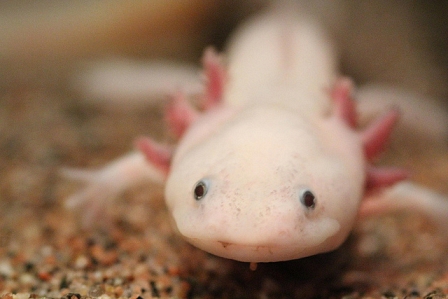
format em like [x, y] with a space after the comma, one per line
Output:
[133, 252]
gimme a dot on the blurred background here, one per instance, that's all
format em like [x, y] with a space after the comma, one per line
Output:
[399, 42]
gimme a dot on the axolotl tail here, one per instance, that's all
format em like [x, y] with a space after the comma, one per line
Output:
[278, 47]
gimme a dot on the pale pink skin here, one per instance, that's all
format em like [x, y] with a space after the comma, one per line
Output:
[274, 124]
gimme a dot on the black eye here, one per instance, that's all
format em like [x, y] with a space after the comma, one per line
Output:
[308, 199]
[200, 189]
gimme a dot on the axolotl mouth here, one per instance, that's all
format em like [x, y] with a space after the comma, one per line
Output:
[264, 252]
[241, 252]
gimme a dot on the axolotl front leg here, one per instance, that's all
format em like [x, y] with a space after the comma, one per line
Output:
[104, 184]
[429, 125]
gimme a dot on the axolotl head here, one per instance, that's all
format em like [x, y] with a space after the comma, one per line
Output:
[266, 185]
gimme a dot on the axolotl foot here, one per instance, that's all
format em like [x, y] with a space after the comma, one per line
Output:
[104, 184]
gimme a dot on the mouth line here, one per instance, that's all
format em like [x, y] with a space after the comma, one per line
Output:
[256, 247]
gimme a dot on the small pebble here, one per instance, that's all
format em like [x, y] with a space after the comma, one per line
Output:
[22, 296]
[6, 268]
[81, 262]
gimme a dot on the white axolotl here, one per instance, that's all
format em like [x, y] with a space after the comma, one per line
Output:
[273, 166]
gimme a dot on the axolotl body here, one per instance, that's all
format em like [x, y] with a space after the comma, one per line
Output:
[273, 167]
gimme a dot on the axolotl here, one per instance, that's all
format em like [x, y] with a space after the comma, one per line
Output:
[270, 165]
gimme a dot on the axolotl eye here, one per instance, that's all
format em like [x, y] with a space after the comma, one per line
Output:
[200, 189]
[308, 199]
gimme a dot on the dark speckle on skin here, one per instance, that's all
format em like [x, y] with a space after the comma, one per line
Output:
[268, 210]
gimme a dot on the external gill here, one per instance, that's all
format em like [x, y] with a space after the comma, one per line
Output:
[374, 137]
[180, 114]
